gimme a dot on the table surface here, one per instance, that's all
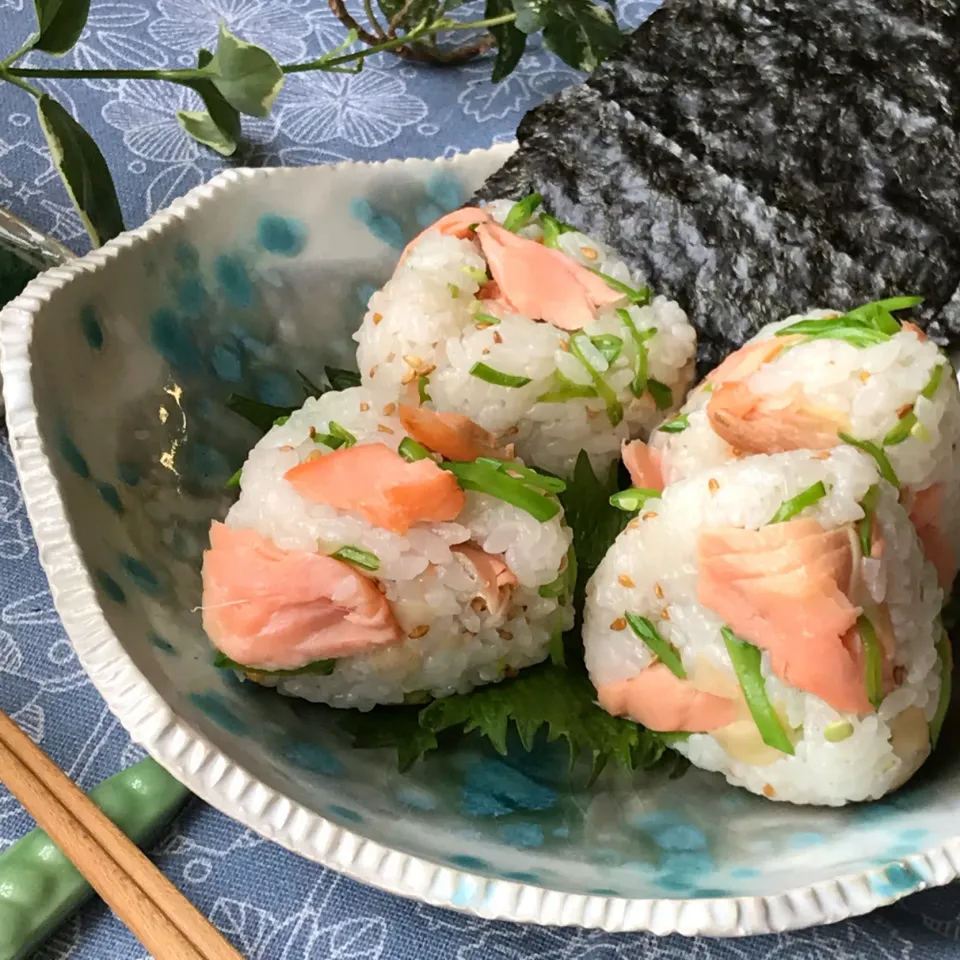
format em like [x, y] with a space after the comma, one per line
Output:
[269, 902]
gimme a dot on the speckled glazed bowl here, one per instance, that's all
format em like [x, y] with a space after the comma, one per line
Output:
[116, 369]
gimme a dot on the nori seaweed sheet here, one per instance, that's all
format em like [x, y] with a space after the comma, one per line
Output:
[757, 158]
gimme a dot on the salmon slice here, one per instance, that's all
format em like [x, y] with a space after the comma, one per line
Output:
[784, 588]
[542, 283]
[749, 359]
[926, 513]
[497, 580]
[643, 464]
[660, 700]
[755, 424]
[452, 435]
[455, 224]
[280, 609]
[374, 481]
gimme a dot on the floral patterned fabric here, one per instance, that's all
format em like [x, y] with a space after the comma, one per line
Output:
[270, 903]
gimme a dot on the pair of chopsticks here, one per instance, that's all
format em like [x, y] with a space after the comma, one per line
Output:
[161, 918]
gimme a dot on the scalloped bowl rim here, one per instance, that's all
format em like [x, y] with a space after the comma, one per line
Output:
[226, 785]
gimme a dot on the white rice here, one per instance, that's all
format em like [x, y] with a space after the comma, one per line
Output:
[425, 317]
[426, 583]
[658, 554]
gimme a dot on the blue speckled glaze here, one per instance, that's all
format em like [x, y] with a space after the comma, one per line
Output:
[211, 311]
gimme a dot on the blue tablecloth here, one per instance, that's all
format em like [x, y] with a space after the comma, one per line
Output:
[270, 903]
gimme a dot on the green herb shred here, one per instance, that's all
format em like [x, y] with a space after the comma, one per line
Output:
[604, 390]
[746, 658]
[633, 499]
[867, 446]
[553, 229]
[497, 377]
[865, 526]
[640, 297]
[234, 481]
[676, 425]
[609, 345]
[486, 319]
[411, 451]
[521, 212]
[873, 655]
[661, 393]
[346, 438]
[662, 649]
[565, 390]
[476, 274]
[361, 558]
[639, 385]
[422, 392]
[806, 498]
[485, 478]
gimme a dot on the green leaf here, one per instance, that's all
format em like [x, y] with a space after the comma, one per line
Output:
[219, 126]
[385, 727]
[61, 22]
[84, 171]
[531, 14]
[262, 415]
[580, 32]
[511, 42]
[595, 523]
[246, 75]
[342, 379]
[553, 697]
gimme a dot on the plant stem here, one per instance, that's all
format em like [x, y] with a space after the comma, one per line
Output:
[184, 76]
[372, 17]
[23, 85]
[26, 47]
[339, 9]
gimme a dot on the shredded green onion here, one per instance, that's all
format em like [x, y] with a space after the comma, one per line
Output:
[865, 526]
[476, 274]
[661, 393]
[662, 649]
[334, 443]
[609, 345]
[530, 475]
[878, 313]
[521, 212]
[933, 384]
[497, 377]
[806, 498]
[280, 421]
[864, 326]
[567, 389]
[486, 318]
[838, 731]
[676, 425]
[639, 385]
[346, 438]
[234, 481]
[411, 451]
[485, 478]
[873, 654]
[322, 668]
[604, 390]
[945, 653]
[422, 393]
[746, 658]
[553, 229]
[632, 499]
[362, 558]
[640, 297]
[867, 446]
[901, 430]
[454, 290]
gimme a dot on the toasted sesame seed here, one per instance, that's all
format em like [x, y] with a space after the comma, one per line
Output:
[312, 455]
[504, 634]
[383, 428]
[593, 414]
[649, 515]
[478, 604]
[619, 624]
[589, 253]
[428, 369]
[713, 485]
[634, 524]
[768, 791]
[412, 360]
[496, 337]
[904, 410]
[625, 580]
[417, 632]
[377, 317]
[864, 375]
[899, 674]
[388, 409]
[824, 455]
[373, 371]
[408, 377]
[381, 586]
[483, 325]
[664, 614]
[364, 406]
[658, 591]
[737, 453]
[564, 346]
[313, 432]
[510, 432]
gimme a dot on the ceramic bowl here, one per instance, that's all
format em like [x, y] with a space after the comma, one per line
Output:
[117, 367]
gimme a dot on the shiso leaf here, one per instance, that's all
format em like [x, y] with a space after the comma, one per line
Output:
[391, 727]
[321, 668]
[341, 379]
[261, 415]
[511, 42]
[581, 33]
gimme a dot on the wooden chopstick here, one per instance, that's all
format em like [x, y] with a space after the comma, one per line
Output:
[161, 918]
